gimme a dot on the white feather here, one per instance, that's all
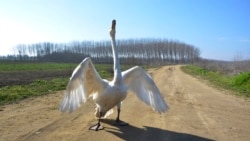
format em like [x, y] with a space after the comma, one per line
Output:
[85, 82]
[140, 83]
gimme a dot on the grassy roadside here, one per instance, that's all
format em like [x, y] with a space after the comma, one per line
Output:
[239, 83]
[34, 66]
[41, 86]
[10, 94]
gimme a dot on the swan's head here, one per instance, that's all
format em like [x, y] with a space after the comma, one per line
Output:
[112, 30]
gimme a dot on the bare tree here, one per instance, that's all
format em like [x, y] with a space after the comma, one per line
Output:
[131, 51]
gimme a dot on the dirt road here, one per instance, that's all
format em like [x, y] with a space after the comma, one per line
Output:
[197, 112]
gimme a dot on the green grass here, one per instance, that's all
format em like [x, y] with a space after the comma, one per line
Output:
[10, 94]
[22, 66]
[239, 83]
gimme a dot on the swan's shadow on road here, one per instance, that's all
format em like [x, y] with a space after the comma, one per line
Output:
[147, 133]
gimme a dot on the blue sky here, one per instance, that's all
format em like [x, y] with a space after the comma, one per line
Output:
[219, 28]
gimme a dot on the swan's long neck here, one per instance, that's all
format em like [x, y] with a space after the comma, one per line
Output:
[117, 69]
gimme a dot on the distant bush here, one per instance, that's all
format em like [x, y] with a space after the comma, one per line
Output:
[224, 67]
[241, 79]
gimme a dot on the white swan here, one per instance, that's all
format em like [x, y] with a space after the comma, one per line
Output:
[85, 82]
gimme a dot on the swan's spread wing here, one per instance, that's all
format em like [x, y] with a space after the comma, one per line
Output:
[140, 82]
[83, 82]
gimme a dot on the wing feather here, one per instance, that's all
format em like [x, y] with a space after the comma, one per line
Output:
[84, 81]
[140, 82]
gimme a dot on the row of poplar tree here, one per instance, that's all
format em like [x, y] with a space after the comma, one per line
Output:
[131, 51]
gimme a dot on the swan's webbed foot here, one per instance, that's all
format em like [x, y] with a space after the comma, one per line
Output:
[120, 123]
[96, 127]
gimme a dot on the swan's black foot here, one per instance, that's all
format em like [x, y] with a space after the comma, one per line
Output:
[96, 127]
[120, 123]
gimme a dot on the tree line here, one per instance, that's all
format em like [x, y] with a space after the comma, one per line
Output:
[131, 51]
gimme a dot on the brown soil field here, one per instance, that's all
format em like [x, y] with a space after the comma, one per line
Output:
[198, 112]
[26, 77]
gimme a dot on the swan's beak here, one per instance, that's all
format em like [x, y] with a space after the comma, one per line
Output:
[113, 24]
[112, 30]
